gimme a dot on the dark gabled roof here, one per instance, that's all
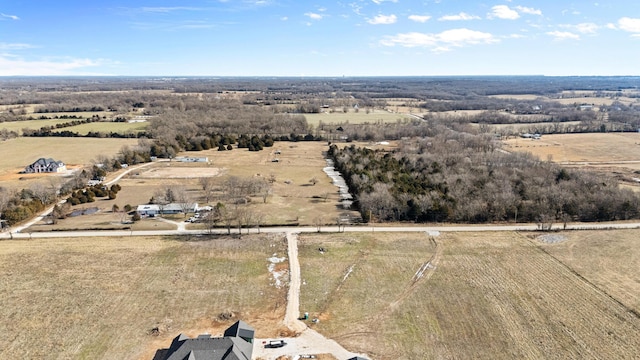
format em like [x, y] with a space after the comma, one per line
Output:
[240, 329]
[209, 348]
[235, 345]
[206, 348]
[46, 162]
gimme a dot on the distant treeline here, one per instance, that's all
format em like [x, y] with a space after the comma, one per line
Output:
[49, 131]
[90, 134]
[61, 108]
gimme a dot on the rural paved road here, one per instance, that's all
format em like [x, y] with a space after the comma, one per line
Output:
[18, 233]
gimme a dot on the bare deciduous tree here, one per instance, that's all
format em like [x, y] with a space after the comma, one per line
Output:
[208, 186]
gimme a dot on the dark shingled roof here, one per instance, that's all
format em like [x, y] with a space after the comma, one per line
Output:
[229, 347]
[240, 329]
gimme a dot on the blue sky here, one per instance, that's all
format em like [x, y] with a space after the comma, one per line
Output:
[319, 38]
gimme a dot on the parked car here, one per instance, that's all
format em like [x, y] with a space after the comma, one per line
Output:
[275, 344]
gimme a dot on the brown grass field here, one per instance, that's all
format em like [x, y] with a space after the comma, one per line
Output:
[106, 127]
[608, 259]
[99, 298]
[352, 117]
[591, 147]
[482, 296]
[17, 126]
[615, 154]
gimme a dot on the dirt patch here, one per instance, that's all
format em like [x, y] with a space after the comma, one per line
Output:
[551, 238]
[175, 172]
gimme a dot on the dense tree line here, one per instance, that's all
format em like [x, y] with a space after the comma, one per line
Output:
[460, 177]
[60, 108]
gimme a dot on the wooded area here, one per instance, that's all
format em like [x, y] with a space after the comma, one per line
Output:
[452, 176]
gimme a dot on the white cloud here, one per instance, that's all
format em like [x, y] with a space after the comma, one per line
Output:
[168, 9]
[528, 10]
[14, 67]
[419, 18]
[16, 46]
[314, 16]
[503, 12]
[12, 17]
[457, 17]
[583, 28]
[383, 20]
[563, 35]
[284, 18]
[629, 24]
[381, 1]
[440, 42]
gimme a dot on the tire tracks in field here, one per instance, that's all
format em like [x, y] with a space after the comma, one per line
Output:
[629, 310]
[423, 273]
[332, 295]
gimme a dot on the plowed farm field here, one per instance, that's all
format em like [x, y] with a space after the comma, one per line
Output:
[479, 296]
[609, 259]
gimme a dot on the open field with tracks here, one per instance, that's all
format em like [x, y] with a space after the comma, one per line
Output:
[608, 259]
[100, 298]
[491, 295]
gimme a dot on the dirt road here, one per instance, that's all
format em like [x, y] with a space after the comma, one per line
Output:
[309, 341]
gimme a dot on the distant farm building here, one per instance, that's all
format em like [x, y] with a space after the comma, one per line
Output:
[166, 209]
[47, 165]
[236, 344]
[531, 136]
[203, 159]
